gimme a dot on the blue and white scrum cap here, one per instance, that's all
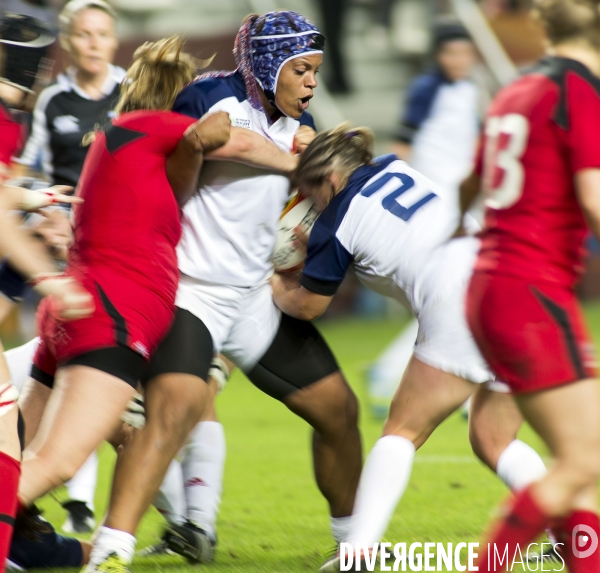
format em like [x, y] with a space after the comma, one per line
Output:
[275, 39]
[25, 41]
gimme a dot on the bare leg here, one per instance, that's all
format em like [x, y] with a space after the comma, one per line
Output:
[568, 419]
[174, 403]
[83, 410]
[494, 422]
[425, 397]
[32, 402]
[331, 408]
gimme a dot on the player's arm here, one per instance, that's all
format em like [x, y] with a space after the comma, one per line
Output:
[325, 266]
[33, 199]
[24, 252]
[587, 185]
[297, 301]
[183, 165]
[251, 148]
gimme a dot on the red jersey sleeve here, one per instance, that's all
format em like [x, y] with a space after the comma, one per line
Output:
[582, 136]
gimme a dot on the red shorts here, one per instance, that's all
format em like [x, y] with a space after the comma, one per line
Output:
[533, 336]
[125, 315]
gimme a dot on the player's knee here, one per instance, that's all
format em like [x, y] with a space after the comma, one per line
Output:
[58, 468]
[174, 421]
[482, 446]
[342, 412]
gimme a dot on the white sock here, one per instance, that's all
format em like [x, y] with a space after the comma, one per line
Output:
[170, 499]
[340, 528]
[519, 465]
[202, 464]
[82, 486]
[109, 541]
[382, 483]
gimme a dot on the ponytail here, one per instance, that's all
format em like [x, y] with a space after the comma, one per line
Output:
[159, 71]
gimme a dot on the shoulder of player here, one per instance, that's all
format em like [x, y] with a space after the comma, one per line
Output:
[425, 84]
[147, 121]
[575, 84]
[56, 88]
[213, 89]
[335, 213]
[307, 120]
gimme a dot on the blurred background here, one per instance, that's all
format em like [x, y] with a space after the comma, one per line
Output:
[375, 50]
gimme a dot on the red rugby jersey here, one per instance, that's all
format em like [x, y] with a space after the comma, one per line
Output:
[540, 130]
[129, 221]
[11, 135]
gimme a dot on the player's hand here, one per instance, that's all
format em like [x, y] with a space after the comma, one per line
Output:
[55, 231]
[70, 300]
[303, 138]
[210, 131]
[34, 199]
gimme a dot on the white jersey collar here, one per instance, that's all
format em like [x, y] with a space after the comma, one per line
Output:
[114, 77]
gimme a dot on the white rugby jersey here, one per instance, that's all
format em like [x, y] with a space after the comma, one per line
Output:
[444, 146]
[386, 224]
[229, 227]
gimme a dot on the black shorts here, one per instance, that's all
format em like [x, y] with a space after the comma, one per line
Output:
[118, 361]
[297, 357]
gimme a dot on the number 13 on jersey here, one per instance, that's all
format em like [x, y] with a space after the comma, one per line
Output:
[505, 142]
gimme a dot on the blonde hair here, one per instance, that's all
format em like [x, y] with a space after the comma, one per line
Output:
[72, 8]
[342, 149]
[159, 71]
[569, 20]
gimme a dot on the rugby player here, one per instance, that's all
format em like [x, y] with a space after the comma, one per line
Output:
[225, 300]
[124, 253]
[539, 167]
[391, 225]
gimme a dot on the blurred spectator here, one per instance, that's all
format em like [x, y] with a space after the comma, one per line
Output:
[81, 98]
[438, 136]
[439, 128]
[334, 17]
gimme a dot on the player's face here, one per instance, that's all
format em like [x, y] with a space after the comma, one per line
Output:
[457, 59]
[92, 41]
[296, 82]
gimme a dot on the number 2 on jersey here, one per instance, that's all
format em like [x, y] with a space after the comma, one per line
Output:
[389, 201]
[506, 138]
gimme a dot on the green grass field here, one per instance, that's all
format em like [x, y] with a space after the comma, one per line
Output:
[273, 519]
